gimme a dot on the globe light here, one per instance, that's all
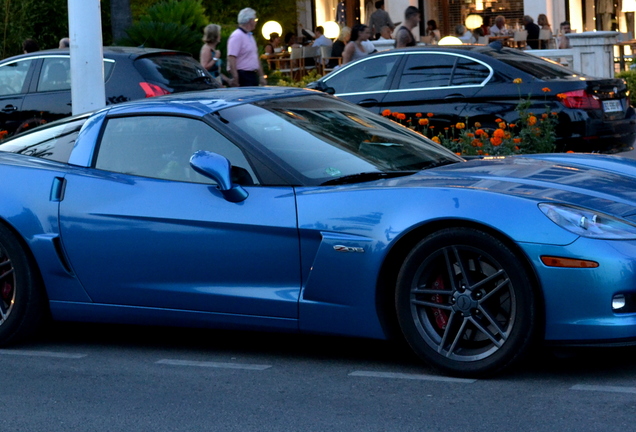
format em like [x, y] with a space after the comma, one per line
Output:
[332, 29]
[449, 40]
[473, 21]
[271, 27]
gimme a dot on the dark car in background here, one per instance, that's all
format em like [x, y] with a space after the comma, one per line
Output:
[35, 88]
[477, 83]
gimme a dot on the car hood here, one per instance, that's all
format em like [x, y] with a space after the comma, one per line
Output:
[602, 183]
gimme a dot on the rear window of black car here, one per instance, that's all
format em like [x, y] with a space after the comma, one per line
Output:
[173, 70]
[53, 143]
[528, 63]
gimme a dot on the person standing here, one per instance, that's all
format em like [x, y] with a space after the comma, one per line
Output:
[210, 56]
[542, 21]
[29, 46]
[242, 52]
[404, 37]
[533, 32]
[564, 29]
[355, 49]
[379, 18]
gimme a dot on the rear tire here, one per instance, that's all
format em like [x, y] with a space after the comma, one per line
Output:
[21, 296]
[464, 303]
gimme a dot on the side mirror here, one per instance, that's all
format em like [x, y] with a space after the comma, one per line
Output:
[321, 86]
[219, 169]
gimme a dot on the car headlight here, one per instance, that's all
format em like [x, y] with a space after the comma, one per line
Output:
[588, 223]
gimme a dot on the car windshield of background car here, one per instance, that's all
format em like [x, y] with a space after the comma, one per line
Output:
[322, 138]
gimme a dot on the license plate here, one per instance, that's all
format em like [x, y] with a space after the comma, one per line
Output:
[612, 106]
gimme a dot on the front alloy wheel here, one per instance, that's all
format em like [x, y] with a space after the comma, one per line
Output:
[464, 302]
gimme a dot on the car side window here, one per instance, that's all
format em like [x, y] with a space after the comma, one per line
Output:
[161, 146]
[469, 72]
[55, 74]
[13, 76]
[53, 143]
[367, 76]
[427, 71]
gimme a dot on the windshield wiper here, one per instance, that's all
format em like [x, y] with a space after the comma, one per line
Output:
[365, 177]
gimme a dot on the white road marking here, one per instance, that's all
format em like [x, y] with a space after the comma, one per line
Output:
[611, 389]
[421, 377]
[213, 364]
[41, 354]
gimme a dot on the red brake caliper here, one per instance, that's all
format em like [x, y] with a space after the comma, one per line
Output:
[441, 317]
[7, 289]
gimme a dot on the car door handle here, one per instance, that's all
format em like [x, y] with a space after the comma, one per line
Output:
[368, 103]
[9, 108]
[455, 96]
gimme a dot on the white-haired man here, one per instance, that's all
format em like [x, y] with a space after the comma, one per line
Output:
[242, 52]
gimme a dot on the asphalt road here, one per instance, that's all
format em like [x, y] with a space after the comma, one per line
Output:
[82, 377]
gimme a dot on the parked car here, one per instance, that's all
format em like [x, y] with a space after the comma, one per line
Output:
[35, 88]
[476, 83]
[290, 210]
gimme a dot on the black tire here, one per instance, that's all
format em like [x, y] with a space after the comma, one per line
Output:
[21, 296]
[465, 304]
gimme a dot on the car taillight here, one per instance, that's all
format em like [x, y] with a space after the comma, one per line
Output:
[581, 99]
[152, 90]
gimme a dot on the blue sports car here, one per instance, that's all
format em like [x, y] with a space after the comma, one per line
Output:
[291, 210]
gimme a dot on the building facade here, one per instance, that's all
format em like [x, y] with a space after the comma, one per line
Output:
[584, 15]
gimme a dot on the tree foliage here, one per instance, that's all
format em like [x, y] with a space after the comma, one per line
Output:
[170, 24]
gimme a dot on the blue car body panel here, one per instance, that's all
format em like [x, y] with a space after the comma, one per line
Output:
[122, 248]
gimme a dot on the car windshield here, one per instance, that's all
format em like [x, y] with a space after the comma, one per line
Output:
[528, 63]
[321, 139]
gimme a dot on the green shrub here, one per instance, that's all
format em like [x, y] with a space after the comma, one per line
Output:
[630, 78]
[170, 24]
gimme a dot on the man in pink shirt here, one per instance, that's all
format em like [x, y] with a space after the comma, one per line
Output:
[242, 52]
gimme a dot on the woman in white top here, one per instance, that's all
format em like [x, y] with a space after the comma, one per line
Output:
[355, 49]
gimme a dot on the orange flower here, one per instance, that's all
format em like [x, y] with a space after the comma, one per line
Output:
[418, 115]
[470, 135]
[569, 151]
[432, 127]
[512, 125]
[460, 125]
[499, 133]
[429, 114]
[436, 139]
[477, 124]
[395, 114]
[561, 96]
[517, 80]
[532, 120]
[458, 154]
[3, 134]
[516, 148]
[516, 140]
[401, 116]
[495, 141]
[502, 125]
[479, 132]
[475, 143]
[480, 152]
[481, 144]
[498, 120]
[545, 90]
[423, 122]
[386, 113]
[544, 115]
[507, 135]
[554, 114]
[445, 128]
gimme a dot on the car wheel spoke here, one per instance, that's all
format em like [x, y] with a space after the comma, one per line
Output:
[432, 304]
[497, 342]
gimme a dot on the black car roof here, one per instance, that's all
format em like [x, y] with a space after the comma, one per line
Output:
[109, 52]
